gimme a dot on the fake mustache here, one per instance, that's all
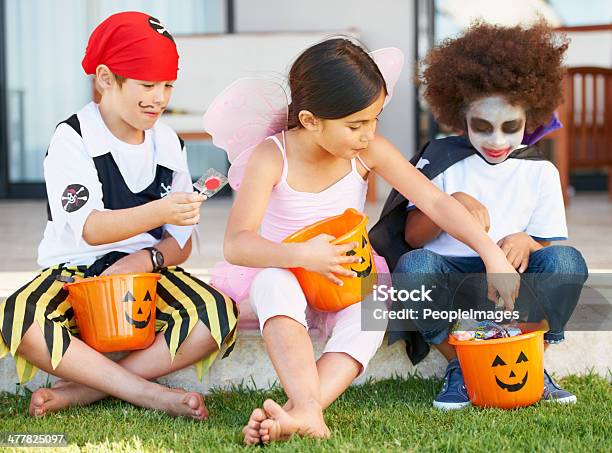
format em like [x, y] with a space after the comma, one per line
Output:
[145, 106]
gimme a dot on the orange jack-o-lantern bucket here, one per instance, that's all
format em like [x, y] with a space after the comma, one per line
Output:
[321, 293]
[116, 312]
[505, 372]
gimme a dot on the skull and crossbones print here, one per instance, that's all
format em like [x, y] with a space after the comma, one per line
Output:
[165, 189]
[74, 197]
[159, 28]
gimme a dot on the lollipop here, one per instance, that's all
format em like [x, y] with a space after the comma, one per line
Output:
[210, 182]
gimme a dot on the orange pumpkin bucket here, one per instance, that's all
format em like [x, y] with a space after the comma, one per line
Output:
[321, 293]
[115, 312]
[504, 372]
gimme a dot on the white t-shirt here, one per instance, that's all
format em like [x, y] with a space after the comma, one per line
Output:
[74, 189]
[521, 196]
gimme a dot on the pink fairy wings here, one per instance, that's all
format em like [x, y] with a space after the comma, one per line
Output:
[242, 116]
[390, 61]
[250, 110]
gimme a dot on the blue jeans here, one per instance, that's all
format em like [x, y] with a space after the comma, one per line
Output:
[551, 283]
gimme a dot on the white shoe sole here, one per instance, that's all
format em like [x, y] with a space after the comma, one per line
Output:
[567, 400]
[450, 406]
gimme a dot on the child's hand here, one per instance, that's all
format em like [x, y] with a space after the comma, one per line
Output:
[503, 283]
[135, 263]
[517, 248]
[181, 208]
[325, 258]
[474, 207]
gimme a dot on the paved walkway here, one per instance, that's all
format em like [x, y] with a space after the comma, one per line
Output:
[22, 222]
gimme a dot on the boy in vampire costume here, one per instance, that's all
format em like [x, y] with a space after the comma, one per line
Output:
[498, 88]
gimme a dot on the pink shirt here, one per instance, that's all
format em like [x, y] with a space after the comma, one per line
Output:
[289, 211]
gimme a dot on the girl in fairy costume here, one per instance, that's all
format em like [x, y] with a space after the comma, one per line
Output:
[298, 164]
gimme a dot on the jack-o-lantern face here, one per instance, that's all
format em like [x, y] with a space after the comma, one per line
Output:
[364, 268]
[134, 313]
[510, 387]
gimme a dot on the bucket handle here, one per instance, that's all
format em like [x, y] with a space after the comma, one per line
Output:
[67, 279]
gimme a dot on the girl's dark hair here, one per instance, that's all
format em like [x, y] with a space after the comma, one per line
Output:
[333, 79]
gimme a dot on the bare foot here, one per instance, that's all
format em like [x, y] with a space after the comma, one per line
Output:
[306, 421]
[185, 404]
[251, 430]
[45, 401]
[60, 383]
[78, 394]
[62, 395]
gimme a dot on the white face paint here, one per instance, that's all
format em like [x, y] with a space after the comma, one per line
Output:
[495, 127]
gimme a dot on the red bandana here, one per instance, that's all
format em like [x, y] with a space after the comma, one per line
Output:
[133, 45]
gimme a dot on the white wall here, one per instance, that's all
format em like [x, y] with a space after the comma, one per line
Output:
[380, 23]
[210, 63]
[589, 48]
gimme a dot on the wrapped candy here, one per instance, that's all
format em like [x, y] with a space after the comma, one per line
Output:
[513, 330]
[467, 330]
[210, 182]
[464, 335]
[489, 330]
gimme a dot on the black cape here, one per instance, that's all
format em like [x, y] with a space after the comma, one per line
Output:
[387, 235]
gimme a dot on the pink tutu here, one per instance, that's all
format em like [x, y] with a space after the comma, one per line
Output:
[235, 281]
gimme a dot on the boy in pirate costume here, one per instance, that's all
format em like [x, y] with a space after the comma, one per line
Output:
[496, 85]
[119, 201]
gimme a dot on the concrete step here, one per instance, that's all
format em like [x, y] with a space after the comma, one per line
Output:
[249, 365]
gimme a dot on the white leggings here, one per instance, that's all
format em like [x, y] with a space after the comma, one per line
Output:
[276, 292]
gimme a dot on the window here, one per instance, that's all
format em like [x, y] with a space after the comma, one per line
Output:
[45, 43]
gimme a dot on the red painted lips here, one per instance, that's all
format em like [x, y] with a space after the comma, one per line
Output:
[496, 153]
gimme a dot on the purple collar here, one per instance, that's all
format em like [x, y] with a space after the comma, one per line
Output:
[542, 130]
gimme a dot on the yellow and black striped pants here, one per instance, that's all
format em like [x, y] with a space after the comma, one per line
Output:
[182, 300]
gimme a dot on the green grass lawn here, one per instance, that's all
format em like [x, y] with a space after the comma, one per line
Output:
[390, 415]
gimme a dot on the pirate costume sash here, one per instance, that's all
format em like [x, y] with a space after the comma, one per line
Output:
[182, 300]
